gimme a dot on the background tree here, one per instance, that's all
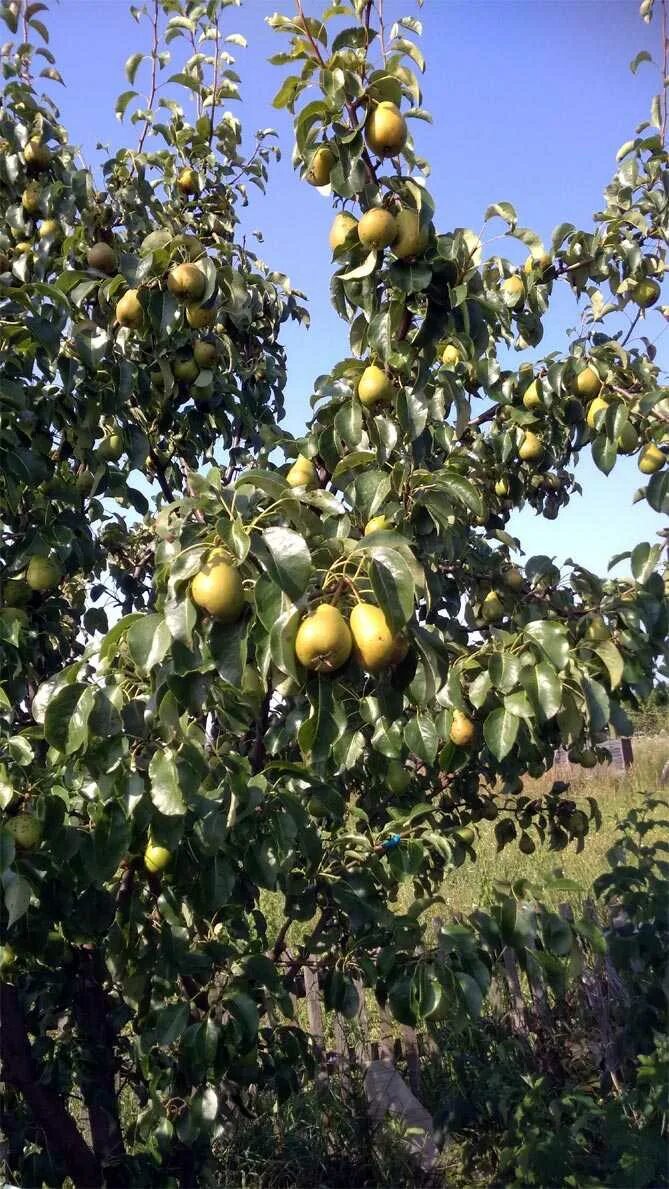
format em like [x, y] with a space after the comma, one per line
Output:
[321, 673]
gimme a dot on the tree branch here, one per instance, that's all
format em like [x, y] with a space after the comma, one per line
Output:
[62, 1135]
[154, 68]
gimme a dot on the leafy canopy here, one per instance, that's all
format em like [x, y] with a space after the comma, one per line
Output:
[210, 810]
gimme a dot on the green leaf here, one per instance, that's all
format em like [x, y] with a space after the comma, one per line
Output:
[7, 850]
[320, 731]
[122, 103]
[500, 731]
[597, 702]
[420, 736]
[604, 453]
[164, 781]
[228, 649]
[244, 1011]
[548, 688]
[17, 893]
[204, 1108]
[392, 583]
[479, 690]
[505, 211]
[608, 653]
[642, 56]
[131, 67]
[148, 640]
[552, 639]
[518, 704]
[171, 1022]
[657, 492]
[286, 558]
[462, 491]
[361, 270]
[644, 560]
[470, 991]
[282, 640]
[59, 715]
[504, 670]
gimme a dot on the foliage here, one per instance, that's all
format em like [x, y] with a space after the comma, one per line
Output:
[177, 757]
[652, 716]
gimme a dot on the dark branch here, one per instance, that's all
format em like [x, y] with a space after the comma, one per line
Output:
[20, 1070]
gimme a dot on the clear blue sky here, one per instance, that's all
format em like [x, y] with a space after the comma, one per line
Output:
[530, 101]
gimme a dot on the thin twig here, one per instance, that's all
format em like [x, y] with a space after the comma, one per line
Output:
[215, 86]
[665, 70]
[382, 30]
[154, 75]
[631, 329]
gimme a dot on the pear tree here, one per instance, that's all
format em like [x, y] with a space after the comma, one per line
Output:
[258, 690]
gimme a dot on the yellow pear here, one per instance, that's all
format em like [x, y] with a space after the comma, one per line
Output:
[532, 397]
[398, 778]
[587, 383]
[411, 237]
[492, 608]
[323, 642]
[342, 227]
[463, 730]
[386, 130]
[646, 292]
[187, 282]
[513, 291]
[377, 228]
[318, 173]
[502, 488]
[43, 573]
[156, 858]
[185, 369]
[111, 447]
[36, 155]
[50, 229]
[129, 310]
[302, 473]
[531, 447]
[31, 199]
[513, 579]
[451, 355]
[102, 257]
[188, 181]
[218, 589]
[651, 459]
[541, 263]
[596, 411]
[200, 317]
[374, 642]
[25, 829]
[377, 524]
[205, 354]
[374, 386]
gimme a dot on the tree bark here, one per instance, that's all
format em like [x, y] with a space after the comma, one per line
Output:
[62, 1135]
[93, 1014]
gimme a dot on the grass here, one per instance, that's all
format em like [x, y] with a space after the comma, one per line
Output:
[615, 793]
[471, 885]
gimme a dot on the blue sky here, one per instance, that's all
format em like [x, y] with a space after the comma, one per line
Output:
[530, 101]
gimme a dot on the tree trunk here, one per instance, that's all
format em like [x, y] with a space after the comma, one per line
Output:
[93, 1014]
[61, 1133]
